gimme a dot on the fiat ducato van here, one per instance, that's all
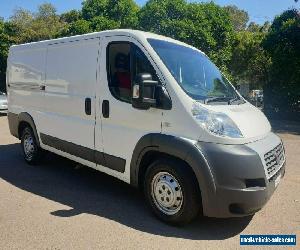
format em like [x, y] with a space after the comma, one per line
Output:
[151, 111]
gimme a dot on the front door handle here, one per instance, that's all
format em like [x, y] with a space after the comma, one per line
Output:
[105, 109]
[88, 106]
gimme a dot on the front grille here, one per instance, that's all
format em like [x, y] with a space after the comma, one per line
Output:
[274, 159]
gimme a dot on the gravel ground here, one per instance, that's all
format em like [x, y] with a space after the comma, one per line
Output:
[60, 205]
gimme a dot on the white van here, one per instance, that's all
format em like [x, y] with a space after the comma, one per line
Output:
[151, 111]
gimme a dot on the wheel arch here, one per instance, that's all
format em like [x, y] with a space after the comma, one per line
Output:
[18, 122]
[152, 146]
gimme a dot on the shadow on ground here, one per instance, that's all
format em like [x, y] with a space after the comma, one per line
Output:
[285, 127]
[89, 191]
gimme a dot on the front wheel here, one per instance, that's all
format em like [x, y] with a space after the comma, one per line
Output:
[31, 151]
[171, 191]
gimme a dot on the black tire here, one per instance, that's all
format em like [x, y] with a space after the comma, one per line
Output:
[190, 206]
[35, 154]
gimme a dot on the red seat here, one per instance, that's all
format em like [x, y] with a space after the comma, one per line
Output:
[124, 80]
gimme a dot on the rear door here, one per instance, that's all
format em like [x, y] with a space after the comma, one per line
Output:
[122, 58]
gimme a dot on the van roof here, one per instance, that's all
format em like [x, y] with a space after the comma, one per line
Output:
[138, 34]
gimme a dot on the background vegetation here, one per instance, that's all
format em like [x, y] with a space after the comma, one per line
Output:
[266, 56]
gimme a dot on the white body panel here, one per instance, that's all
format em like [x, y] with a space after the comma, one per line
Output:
[25, 75]
[72, 69]
[70, 79]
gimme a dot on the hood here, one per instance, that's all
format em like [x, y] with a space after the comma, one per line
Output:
[249, 119]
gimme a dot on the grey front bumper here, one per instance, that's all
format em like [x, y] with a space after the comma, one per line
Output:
[242, 182]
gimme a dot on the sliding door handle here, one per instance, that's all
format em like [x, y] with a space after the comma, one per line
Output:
[105, 109]
[88, 106]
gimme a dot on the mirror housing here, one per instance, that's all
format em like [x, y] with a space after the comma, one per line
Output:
[143, 92]
[147, 93]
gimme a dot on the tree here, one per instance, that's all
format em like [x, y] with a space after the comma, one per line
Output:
[156, 14]
[100, 23]
[123, 12]
[205, 26]
[29, 27]
[250, 62]
[92, 8]
[5, 43]
[22, 17]
[47, 23]
[20, 25]
[77, 28]
[266, 26]
[239, 18]
[283, 45]
[46, 11]
[71, 16]
[254, 27]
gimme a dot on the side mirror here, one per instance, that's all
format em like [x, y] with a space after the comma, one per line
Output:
[143, 92]
[147, 93]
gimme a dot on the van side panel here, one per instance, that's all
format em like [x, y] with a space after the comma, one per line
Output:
[25, 77]
[71, 75]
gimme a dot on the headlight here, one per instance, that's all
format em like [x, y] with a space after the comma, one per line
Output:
[216, 123]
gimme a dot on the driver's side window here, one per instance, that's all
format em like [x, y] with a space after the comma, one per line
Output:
[124, 62]
[142, 64]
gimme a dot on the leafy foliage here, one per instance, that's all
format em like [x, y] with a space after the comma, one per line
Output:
[100, 23]
[71, 16]
[239, 18]
[250, 62]
[77, 27]
[122, 12]
[29, 27]
[98, 15]
[5, 42]
[283, 46]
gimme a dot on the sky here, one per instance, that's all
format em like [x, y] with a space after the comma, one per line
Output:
[259, 10]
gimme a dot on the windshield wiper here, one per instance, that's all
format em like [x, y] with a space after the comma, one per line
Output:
[228, 100]
[231, 101]
[236, 99]
[217, 99]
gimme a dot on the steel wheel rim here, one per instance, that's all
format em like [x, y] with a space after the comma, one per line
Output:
[166, 193]
[28, 146]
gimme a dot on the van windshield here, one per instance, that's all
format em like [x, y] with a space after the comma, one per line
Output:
[195, 73]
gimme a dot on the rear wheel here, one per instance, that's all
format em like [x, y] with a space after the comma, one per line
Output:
[172, 192]
[31, 151]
